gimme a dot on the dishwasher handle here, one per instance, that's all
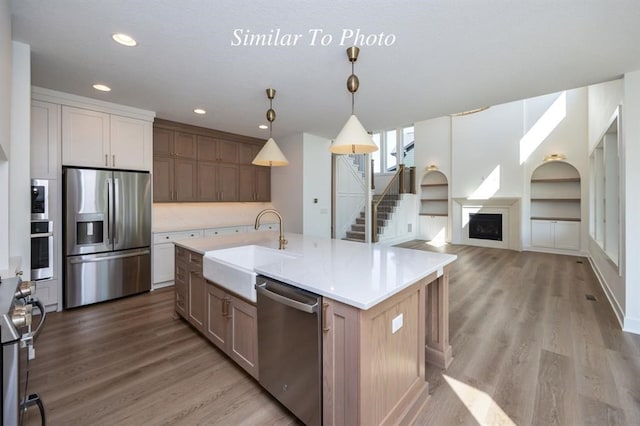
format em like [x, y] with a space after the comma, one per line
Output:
[310, 309]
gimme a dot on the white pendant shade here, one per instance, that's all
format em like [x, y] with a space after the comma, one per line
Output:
[353, 139]
[270, 155]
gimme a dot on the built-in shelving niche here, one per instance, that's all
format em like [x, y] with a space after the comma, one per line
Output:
[434, 194]
[434, 207]
[555, 206]
[555, 192]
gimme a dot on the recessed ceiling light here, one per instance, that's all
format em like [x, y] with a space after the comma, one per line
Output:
[199, 111]
[263, 127]
[124, 39]
[102, 87]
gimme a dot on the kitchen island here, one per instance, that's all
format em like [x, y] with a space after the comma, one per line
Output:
[384, 313]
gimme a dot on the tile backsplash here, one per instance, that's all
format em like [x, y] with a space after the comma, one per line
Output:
[183, 216]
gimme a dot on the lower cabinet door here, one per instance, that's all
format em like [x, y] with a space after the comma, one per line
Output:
[217, 305]
[197, 300]
[243, 335]
[542, 233]
[182, 272]
[567, 235]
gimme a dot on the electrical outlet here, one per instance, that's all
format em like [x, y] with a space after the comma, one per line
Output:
[396, 323]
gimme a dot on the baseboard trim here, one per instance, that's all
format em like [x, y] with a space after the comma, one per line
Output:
[617, 310]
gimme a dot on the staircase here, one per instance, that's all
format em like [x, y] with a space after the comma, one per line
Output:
[385, 211]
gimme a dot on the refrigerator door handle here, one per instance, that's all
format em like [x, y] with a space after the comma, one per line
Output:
[108, 257]
[116, 208]
[109, 210]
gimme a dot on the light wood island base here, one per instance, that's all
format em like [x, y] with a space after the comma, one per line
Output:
[372, 375]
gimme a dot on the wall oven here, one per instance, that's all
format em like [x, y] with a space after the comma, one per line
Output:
[41, 249]
[39, 199]
[41, 231]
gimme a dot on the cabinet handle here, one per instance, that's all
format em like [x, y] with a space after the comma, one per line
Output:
[113, 160]
[221, 195]
[225, 307]
[106, 160]
[325, 327]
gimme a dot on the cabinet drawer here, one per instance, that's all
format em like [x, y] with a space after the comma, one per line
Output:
[214, 232]
[168, 237]
[268, 227]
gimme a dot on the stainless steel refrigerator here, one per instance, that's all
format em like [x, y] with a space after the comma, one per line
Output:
[107, 234]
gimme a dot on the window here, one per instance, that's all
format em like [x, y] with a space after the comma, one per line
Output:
[604, 226]
[390, 143]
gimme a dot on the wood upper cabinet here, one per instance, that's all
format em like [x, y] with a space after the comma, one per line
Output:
[162, 142]
[196, 164]
[247, 152]
[185, 145]
[163, 179]
[217, 181]
[97, 139]
[233, 327]
[218, 150]
[174, 166]
[255, 183]
[184, 178]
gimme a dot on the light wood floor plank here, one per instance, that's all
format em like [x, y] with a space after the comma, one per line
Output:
[529, 348]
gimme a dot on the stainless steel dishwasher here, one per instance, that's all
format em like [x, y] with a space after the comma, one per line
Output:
[290, 347]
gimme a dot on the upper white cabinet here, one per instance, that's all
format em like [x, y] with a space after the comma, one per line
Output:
[131, 143]
[98, 139]
[45, 138]
[85, 137]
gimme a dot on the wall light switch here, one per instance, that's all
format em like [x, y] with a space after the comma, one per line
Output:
[396, 323]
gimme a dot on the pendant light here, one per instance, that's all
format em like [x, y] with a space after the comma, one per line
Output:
[270, 154]
[353, 138]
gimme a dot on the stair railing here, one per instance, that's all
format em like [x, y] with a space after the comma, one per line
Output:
[400, 183]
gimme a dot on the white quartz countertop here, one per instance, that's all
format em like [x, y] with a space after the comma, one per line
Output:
[357, 274]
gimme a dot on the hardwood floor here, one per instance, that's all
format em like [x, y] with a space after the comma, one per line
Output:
[129, 362]
[529, 348]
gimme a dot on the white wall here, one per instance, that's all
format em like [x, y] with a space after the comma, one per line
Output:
[487, 143]
[295, 186]
[5, 132]
[316, 186]
[286, 183]
[631, 202]
[603, 99]
[433, 145]
[19, 170]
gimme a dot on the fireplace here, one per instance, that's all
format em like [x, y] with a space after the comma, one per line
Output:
[485, 226]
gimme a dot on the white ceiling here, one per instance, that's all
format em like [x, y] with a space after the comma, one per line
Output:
[448, 56]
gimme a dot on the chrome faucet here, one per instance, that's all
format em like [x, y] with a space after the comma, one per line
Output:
[282, 241]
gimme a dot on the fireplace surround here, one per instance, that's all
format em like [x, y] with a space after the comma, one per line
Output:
[508, 208]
